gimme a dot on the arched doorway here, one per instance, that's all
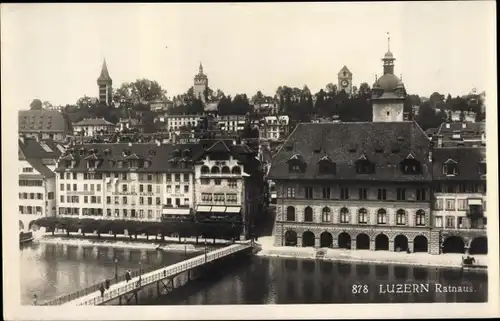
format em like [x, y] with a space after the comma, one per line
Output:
[362, 242]
[420, 244]
[453, 244]
[381, 243]
[400, 243]
[291, 238]
[290, 213]
[307, 239]
[326, 239]
[21, 225]
[479, 245]
[344, 241]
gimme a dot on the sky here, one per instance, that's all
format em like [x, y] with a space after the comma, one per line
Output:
[54, 52]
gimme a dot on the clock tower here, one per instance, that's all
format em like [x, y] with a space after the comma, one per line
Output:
[345, 80]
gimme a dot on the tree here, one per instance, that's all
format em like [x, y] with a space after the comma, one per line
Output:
[364, 90]
[47, 105]
[142, 91]
[258, 97]
[36, 104]
[331, 89]
[84, 102]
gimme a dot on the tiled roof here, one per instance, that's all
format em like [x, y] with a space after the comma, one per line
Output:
[45, 149]
[94, 122]
[385, 144]
[42, 121]
[475, 129]
[40, 167]
[467, 159]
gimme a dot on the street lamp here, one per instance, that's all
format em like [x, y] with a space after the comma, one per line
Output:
[116, 270]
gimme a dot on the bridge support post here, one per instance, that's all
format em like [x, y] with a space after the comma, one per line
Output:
[189, 275]
[136, 294]
[158, 289]
[120, 299]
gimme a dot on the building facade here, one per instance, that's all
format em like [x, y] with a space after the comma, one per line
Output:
[177, 122]
[37, 182]
[460, 134]
[229, 184]
[105, 85]
[460, 199]
[275, 128]
[232, 123]
[93, 126]
[43, 124]
[355, 186]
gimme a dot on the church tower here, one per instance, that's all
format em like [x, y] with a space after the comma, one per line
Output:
[388, 92]
[104, 82]
[345, 80]
[200, 84]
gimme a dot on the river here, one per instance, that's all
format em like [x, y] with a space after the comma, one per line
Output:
[50, 270]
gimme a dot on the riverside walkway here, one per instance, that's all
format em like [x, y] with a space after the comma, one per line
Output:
[158, 276]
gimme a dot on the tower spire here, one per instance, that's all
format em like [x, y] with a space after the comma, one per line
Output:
[388, 42]
[201, 68]
[104, 72]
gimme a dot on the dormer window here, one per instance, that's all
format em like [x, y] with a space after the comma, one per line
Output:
[296, 164]
[147, 163]
[450, 167]
[410, 166]
[134, 163]
[326, 166]
[482, 168]
[364, 166]
[120, 164]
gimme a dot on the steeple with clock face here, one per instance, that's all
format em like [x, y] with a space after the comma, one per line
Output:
[345, 80]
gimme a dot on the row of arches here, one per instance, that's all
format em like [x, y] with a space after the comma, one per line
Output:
[452, 244]
[31, 226]
[344, 217]
[217, 170]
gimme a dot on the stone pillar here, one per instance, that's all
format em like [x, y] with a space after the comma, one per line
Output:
[410, 246]
[372, 245]
[434, 243]
[279, 235]
[299, 241]
[391, 246]
[467, 242]
[317, 242]
[335, 243]
[353, 244]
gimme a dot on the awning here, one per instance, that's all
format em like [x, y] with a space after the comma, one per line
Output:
[475, 202]
[201, 208]
[176, 211]
[233, 209]
[218, 209]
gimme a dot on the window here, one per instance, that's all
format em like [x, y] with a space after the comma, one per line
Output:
[362, 216]
[308, 191]
[438, 221]
[177, 177]
[125, 212]
[62, 187]
[326, 215]
[205, 181]
[364, 166]
[124, 200]
[381, 216]
[150, 201]
[206, 197]
[308, 214]
[290, 192]
[50, 195]
[420, 218]
[74, 175]
[326, 192]
[382, 194]
[85, 199]
[450, 168]
[62, 198]
[232, 183]
[450, 222]
[461, 205]
[401, 194]
[344, 193]
[231, 198]
[217, 181]
[150, 188]
[344, 215]
[482, 168]
[108, 199]
[177, 189]
[362, 193]
[438, 204]
[410, 166]
[450, 204]
[61, 175]
[326, 167]
[124, 188]
[169, 176]
[294, 168]
[186, 178]
[400, 217]
[219, 197]
[290, 213]
[421, 194]
[169, 201]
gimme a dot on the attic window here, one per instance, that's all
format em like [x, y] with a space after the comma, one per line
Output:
[410, 166]
[450, 168]
[120, 164]
[326, 166]
[364, 166]
[317, 150]
[481, 168]
[147, 163]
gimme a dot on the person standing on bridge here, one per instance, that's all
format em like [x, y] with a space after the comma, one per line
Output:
[102, 290]
[127, 275]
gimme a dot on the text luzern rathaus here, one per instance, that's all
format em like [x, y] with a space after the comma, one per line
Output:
[371, 185]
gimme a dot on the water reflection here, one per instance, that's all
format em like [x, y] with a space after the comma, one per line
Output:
[50, 270]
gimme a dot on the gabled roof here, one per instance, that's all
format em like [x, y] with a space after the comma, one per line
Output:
[40, 167]
[94, 122]
[45, 121]
[44, 149]
[345, 143]
[466, 158]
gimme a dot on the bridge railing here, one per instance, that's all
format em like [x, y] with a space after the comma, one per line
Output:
[95, 287]
[164, 273]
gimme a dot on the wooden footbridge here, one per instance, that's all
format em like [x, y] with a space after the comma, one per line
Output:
[162, 279]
